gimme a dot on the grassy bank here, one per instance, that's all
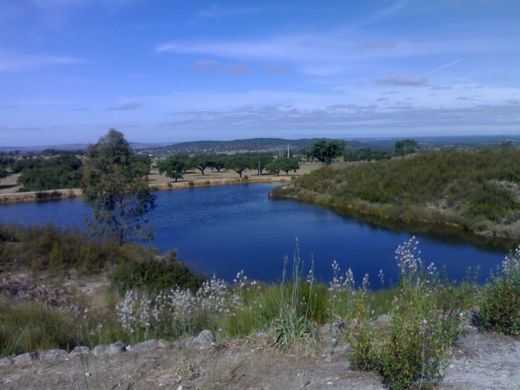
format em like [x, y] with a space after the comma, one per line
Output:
[476, 191]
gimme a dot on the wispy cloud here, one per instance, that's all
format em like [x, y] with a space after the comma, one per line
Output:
[20, 62]
[216, 12]
[205, 64]
[402, 81]
[334, 50]
[131, 106]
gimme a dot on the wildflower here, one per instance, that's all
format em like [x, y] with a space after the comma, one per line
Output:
[381, 277]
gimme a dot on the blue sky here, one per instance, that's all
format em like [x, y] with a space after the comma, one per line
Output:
[176, 70]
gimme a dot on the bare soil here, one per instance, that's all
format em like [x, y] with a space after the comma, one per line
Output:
[480, 361]
[9, 191]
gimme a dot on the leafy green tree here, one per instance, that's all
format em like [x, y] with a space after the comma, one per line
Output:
[201, 162]
[406, 146]
[285, 164]
[239, 163]
[275, 167]
[115, 185]
[217, 162]
[175, 166]
[325, 151]
[62, 171]
[262, 161]
[290, 164]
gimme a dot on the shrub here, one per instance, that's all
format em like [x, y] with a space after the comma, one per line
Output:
[49, 249]
[499, 303]
[33, 326]
[410, 351]
[147, 271]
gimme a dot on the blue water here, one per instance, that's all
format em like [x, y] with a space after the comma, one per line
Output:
[225, 229]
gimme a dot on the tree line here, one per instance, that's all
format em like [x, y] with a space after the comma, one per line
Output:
[177, 165]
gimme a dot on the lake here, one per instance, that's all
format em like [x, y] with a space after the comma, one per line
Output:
[223, 230]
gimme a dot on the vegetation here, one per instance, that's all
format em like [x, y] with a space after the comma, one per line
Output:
[38, 174]
[410, 351]
[160, 298]
[174, 166]
[325, 151]
[366, 154]
[285, 164]
[151, 272]
[475, 190]
[499, 304]
[239, 163]
[115, 185]
[406, 146]
[49, 249]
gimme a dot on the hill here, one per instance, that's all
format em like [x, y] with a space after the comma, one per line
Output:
[474, 190]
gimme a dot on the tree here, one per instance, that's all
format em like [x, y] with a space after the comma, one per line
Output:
[290, 164]
[274, 167]
[239, 163]
[201, 162]
[261, 161]
[174, 166]
[115, 185]
[217, 162]
[61, 171]
[406, 146]
[285, 164]
[325, 151]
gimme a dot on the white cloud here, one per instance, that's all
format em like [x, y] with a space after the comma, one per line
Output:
[332, 53]
[10, 62]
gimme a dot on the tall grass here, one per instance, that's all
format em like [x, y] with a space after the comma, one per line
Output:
[410, 350]
[499, 300]
[293, 326]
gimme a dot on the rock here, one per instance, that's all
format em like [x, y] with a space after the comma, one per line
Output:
[53, 354]
[262, 333]
[338, 327]
[164, 344]
[382, 321]
[26, 358]
[204, 339]
[116, 347]
[145, 345]
[81, 349]
[100, 349]
[6, 362]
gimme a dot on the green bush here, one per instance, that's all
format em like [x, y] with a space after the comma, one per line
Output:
[499, 301]
[153, 273]
[63, 171]
[410, 350]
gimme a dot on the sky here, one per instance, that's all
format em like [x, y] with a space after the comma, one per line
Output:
[165, 71]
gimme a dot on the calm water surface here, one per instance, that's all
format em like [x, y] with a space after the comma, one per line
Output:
[225, 229]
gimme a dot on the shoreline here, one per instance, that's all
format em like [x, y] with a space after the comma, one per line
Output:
[436, 224]
[72, 193]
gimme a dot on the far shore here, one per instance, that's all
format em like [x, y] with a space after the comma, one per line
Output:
[158, 183]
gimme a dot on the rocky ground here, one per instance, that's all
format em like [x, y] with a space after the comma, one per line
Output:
[480, 361]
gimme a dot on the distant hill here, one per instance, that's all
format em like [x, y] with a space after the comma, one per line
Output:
[272, 145]
[275, 145]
